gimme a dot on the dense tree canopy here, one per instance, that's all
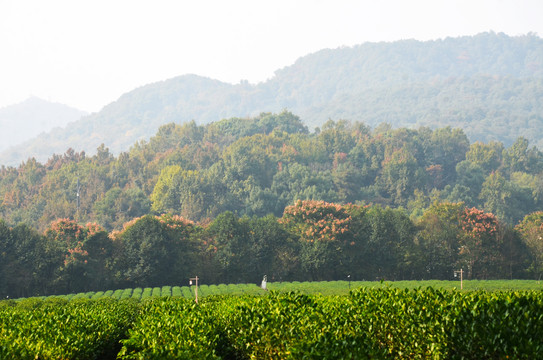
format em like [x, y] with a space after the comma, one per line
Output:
[259, 166]
[312, 240]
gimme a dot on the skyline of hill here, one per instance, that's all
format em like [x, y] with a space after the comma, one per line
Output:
[490, 85]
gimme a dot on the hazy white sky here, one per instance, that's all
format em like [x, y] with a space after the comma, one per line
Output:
[87, 53]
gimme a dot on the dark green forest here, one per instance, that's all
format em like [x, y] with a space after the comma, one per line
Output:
[242, 197]
[490, 85]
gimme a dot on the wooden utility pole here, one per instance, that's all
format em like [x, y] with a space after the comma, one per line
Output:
[196, 290]
[461, 272]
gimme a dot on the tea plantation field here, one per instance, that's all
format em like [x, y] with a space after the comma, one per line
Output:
[412, 320]
[306, 287]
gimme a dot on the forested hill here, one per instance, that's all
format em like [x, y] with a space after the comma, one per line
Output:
[490, 85]
[260, 165]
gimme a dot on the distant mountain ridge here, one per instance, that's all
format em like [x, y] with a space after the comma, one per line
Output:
[491, 85]
[26, 120]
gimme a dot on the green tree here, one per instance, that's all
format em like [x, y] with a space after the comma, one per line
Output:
[155, 251]
[438, 239]
[100, 249]
[21, 262]
[391, 240]
[533, 185]
[487, 156]
[254, 156]
[400, 176]
[119, 206]
[273, 252]
[443, 149]
[531, 231]
[347, 179]
[336, 137]
[504, 198]
[171, 136]
[519, 158]
[282, 122]
[470, 178]
[367, 159]
[231, 247]
[165, 196]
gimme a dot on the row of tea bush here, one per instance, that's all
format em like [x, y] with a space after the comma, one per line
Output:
[385, 323]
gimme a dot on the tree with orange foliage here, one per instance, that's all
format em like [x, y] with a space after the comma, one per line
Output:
[323, 231]
[479, 243]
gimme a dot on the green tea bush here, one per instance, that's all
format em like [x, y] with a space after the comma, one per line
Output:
[222, 289]
[203, 290]
[8, 303]
[400, 323]
[213, 290]
[176, 328]
[80, 329]
[176, 291]
[166, 291]
[136, 294]
[126, 294]
[32, 303]
[187, 292]
[79, 296]
[272, 327]
[117, 294]
[496, 325]
[97, 295]
[146, 293]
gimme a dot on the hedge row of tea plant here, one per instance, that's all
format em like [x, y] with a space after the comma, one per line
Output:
[340, 287]
[57, 329]
[176, 291]
[385, 323]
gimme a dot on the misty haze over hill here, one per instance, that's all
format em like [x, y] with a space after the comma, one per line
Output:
[491, 85]
[26, 120]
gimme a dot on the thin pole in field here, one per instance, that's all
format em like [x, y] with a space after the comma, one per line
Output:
[461, 272]
[195, 290]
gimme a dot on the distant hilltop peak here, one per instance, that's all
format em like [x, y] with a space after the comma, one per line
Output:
[33, 100]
